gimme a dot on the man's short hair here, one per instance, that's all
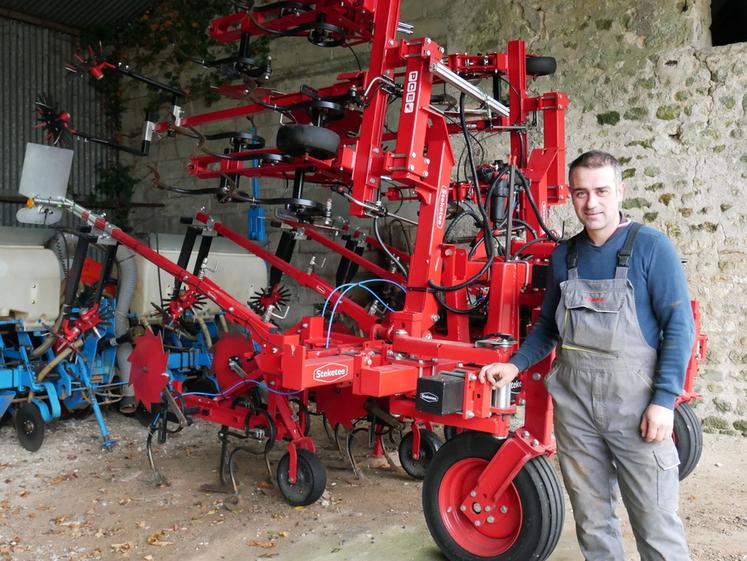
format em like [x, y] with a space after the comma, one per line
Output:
[597, 159]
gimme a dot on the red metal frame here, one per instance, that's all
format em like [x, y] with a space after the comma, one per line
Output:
[403, 346]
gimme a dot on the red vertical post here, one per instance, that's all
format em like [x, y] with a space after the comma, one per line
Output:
[368, 153]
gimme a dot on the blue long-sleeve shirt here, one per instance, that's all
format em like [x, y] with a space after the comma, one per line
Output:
[661, 298]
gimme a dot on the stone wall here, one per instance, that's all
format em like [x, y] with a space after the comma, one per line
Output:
[644, 84]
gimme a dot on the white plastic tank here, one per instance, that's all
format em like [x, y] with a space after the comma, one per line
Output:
[234, 269]
[30, 278]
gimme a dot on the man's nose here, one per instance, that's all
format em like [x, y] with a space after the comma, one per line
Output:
[591, 200]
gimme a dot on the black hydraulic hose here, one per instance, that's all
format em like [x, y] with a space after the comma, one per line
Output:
[459, 218]
[529, 244]
[490, 249]
[535, 209]
[510, 213]
[396, 261]
[459, 311]
[526, 225]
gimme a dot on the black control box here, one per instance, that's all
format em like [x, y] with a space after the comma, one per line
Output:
[441, 394]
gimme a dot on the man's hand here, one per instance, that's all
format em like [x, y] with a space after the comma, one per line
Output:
[498, 374]
[657, 423]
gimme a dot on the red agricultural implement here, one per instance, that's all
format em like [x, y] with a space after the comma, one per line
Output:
[438, 311]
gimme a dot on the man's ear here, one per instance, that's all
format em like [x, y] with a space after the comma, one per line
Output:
[621, 190]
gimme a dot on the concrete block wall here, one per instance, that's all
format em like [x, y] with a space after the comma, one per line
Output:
[644, 84]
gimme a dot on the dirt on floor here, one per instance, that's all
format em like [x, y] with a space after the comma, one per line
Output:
[73, 501]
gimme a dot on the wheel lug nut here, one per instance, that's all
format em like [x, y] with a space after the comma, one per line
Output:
[477, 522]
[504, 509]
[491, 519]
[473, 494]
[462, 508]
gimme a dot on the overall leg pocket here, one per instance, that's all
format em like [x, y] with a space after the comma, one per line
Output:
[667, 476]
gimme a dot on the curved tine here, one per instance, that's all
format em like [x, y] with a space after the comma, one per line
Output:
[388, 455]
[337, 439]
[231, 469]
[235, 497]
[158, 477]
[351, 436]
[270, 475]
[326, 426]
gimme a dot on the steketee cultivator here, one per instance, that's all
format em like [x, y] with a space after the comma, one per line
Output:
[438, 311]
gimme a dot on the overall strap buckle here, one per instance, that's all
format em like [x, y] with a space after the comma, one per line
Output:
[571, 259]
[623, 256]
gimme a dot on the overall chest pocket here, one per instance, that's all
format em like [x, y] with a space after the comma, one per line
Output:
[592, 319]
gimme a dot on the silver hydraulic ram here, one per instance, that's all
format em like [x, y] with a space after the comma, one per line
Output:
[468, 88]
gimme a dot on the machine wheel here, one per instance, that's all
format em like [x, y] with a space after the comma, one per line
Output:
[528, 529]
[29, 427]
[429, 445]
[541, 65]
[297, 140]
[310, 482]
[688, 438]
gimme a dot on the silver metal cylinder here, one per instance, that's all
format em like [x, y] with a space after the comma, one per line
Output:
[502, 397]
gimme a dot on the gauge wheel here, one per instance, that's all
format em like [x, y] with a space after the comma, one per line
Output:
[429, 445]
[29, 427]
[541, 65]
[528, 517]
[297, 140]
[688, 438]
[311, 478]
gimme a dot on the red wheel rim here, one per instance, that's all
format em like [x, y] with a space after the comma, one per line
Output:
[487, 540]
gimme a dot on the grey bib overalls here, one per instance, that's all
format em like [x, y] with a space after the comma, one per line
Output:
[601, 386]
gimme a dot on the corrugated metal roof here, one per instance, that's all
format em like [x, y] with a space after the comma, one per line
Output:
[75, 14]
[33, 62]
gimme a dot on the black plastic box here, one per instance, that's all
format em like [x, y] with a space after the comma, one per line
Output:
[441, 394]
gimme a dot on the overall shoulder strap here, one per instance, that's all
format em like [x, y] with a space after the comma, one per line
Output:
[623, 256]
[571, 259]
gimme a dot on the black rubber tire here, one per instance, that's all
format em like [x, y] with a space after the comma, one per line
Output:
[688, 438]
[429, 445]
[541, 65]
[297, 140]
[310, 481]
[452, 432]
[536, 487]
[29, 427]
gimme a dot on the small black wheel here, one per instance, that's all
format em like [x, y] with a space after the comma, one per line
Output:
[541, 65]
[429, 445]
[311, 478]
[29, 427]
[450, 431]
[526, 526]
[297, 140]
[688, 438]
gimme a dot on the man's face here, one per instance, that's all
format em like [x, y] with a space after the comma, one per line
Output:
[596, 199]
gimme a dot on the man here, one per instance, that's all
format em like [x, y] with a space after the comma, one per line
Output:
[617, 308]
